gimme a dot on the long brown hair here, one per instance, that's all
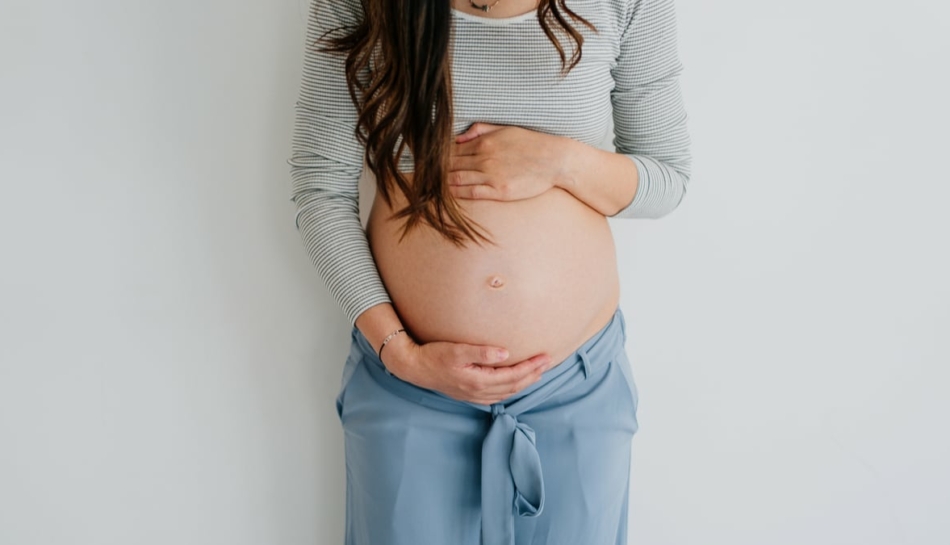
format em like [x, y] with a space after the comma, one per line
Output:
[408, 100]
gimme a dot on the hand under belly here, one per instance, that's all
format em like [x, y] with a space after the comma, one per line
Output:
[549, 283]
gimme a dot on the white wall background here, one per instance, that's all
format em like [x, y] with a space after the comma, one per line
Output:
[169, 357]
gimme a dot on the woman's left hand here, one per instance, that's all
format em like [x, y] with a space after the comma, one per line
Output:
[505, 163]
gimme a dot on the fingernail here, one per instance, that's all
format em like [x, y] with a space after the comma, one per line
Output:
[502, 354]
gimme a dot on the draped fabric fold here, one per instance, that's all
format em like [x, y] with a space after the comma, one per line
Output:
[512, 481]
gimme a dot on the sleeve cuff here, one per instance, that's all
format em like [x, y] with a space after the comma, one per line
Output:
[660, 189]
[367, 299]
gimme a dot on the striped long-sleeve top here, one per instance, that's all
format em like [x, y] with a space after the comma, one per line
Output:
[504, 71]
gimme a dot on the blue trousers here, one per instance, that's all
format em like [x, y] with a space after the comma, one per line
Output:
[549, 465]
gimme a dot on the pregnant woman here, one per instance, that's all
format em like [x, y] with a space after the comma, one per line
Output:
[487, 398]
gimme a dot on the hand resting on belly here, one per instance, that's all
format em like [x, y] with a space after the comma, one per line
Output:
[548, 285]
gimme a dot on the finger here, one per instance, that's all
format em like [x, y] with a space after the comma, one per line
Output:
[476, 191]
[465, 136]
[466, 148]
[479, 128]
[492, 377]
[462, 163]
[462, 177]
[503, 391]
[470, 133]
[466, 354]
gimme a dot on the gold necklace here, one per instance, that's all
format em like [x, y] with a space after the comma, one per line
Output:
[486, 7]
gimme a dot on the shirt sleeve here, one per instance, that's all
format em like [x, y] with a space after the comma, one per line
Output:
[326, 164]
[650, 120]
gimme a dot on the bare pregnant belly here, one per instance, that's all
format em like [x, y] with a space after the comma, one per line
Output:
[548, 285]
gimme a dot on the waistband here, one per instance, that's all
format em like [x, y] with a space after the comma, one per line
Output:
[512, 481]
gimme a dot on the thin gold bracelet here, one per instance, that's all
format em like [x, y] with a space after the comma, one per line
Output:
[386, 340]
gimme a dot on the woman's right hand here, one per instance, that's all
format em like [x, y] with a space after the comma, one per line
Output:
[466, 372]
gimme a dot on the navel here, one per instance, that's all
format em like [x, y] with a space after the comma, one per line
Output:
[496, 281]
